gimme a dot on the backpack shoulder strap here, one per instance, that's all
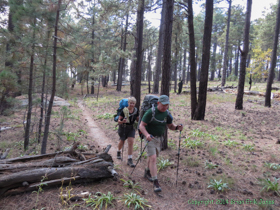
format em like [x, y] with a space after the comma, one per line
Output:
[153, 113]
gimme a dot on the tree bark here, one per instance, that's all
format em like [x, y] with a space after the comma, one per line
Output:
[48, 115]
[200, 109]
[30, 88]
[225, 66]
[139, 53]
[192, 59]
[160, 49]
[167, 41]
[25, 174]
[166, 64]
[244, 53]
[273, 60]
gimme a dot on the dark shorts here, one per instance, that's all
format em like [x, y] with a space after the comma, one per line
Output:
[126, 131]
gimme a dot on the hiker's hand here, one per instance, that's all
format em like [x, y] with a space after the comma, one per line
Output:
[124, 120]
[149, 137]
[180, 127]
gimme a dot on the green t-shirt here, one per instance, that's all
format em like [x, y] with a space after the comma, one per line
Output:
[154, 127]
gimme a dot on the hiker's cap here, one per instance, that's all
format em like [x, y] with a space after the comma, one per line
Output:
[164, 99]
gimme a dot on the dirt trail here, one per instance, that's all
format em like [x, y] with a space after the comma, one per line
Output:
[96, 133]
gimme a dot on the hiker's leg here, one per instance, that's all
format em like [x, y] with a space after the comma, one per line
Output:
[120, 145]
[153, 165]
[130, 141]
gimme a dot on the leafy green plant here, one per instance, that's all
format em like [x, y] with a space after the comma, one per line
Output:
[273, 166]
[230, 143]
[192, 143]
[105, 116]
[210, 165]
[131, 185]
[100, 199]
[162, 163]
[172, 144]
[82, 147]
[270, 185]
[218, 185]
[213, 137]
[144, 155]
[135, 200]
[197, 133]
[72, 136]
[135, 147]
[248, 147]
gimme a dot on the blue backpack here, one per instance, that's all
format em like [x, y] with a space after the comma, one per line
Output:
[123, 103]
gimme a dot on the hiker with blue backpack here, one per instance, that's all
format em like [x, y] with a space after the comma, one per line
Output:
[152, 127]
[128, 115]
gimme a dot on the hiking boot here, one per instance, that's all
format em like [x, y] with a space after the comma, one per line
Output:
[148, 175]
[119, 155]
[130, 163]
[156, 186]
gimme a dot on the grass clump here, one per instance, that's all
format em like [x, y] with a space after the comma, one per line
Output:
[192, 162]
[218, 186]
[99, 200]
[135, 200]
[248, 147]
[210, 165]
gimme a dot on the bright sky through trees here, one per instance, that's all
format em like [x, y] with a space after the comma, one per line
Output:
[258, 7]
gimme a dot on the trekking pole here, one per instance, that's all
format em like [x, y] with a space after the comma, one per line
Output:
[140, 157]
[178, 158]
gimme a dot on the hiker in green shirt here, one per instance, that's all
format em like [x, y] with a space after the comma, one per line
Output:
[153, 128]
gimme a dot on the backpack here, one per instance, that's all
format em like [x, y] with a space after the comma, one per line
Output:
[123, 103]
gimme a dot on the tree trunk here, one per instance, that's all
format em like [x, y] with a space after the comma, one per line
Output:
[30, 88]
[167, 41]
[160, 50]
[176, 63]
[139, 53]
[273, 60]
[200, 110]
[237, 60]
[120, 73]
[192, 59]
[184, 65]
[244, 53]
[213, 61]
[225, 66]
[166, 64]
[43, 89]
[25, 174]
[48, 115]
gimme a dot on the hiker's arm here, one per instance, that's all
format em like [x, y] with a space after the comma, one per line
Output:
[142, 128]
[173, 127]
[121, 120]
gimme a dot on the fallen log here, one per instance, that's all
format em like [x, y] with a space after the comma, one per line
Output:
[28, 173]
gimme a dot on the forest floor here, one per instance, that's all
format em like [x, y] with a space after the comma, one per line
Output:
[237, 147]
